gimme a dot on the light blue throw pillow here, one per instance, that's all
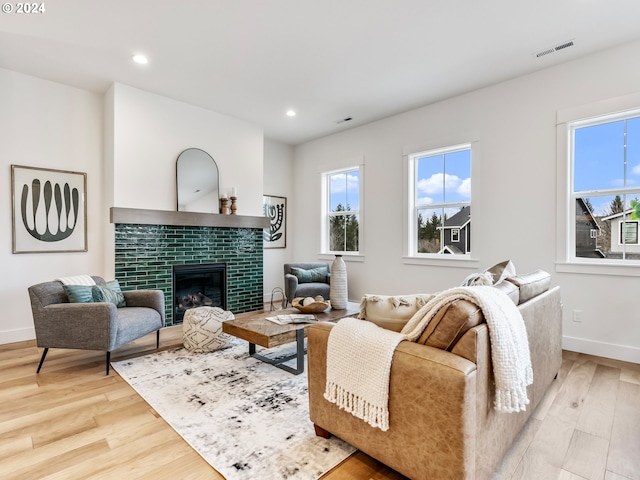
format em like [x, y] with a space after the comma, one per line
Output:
[79, 293]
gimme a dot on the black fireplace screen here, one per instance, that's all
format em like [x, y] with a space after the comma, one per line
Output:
[198, 285]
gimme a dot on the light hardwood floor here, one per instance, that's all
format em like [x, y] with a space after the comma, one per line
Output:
[73, 422]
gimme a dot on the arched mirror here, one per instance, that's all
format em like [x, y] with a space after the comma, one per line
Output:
[197, 182]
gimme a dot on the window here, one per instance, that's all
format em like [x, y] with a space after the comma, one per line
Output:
[440, 202]
[604, 157]
[342, 208]
[628, 233]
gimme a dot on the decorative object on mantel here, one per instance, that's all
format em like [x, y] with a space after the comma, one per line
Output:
[275, 208]
[275, 439]
[224, 209]
[234, 198]
[338, 292]
[49, 210]
[196, 181]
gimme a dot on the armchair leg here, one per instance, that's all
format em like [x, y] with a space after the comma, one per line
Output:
[44, 354]
[158, 338]
[108, 361]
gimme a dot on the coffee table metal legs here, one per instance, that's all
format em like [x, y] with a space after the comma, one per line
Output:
[299, 355]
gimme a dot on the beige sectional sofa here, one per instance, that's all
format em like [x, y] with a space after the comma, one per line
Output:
[442, 423]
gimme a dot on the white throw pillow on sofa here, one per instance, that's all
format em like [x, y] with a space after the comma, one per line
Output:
[391, 311]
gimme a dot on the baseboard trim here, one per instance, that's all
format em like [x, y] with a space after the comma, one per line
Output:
[18, 335]
[601, 349]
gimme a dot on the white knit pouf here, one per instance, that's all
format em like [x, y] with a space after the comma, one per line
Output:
[202, 329]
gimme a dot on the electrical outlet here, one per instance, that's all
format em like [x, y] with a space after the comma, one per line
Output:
[577, 316]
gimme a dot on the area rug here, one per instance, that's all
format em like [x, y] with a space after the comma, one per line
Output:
[246, 418]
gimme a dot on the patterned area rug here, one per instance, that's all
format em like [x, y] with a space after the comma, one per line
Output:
[246, 418]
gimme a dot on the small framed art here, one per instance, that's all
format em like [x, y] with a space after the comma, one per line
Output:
[276, 209]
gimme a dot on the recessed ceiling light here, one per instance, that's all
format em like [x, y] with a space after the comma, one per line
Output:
[291, 113]
[141, 59]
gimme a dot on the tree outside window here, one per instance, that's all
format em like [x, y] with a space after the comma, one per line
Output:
[343, 211]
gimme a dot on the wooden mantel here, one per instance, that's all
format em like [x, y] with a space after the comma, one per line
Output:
[192, 219]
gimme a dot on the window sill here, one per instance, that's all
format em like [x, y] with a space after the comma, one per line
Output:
[464, 262]
[345, 257]
[599, 269]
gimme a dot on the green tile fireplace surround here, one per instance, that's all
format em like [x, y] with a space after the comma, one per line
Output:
[149, 242]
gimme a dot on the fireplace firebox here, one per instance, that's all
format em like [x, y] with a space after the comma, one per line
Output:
[198, 285]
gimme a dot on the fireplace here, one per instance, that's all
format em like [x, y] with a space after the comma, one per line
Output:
[198, 285]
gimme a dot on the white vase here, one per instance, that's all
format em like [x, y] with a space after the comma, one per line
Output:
[338, 294]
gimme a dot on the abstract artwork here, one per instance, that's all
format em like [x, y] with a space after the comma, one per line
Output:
[276, 209]
[49, 210]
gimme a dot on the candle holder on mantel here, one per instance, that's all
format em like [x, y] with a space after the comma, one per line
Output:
[224, 209]
[234, 205]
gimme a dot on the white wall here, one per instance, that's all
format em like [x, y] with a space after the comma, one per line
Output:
[514, 192]
[278, 180]
[45, 124]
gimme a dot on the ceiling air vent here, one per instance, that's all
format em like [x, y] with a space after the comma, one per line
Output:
[551, 50]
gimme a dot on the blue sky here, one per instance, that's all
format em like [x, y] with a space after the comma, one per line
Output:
[344, 188]
[444, 178]
[599, 161]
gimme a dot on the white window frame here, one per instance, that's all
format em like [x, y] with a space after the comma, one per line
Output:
[566, 261]
[412, 254]
[325, 197]
[455, 234]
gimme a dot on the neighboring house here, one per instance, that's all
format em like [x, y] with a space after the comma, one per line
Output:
[457, 233]
[624, 234]
[587, 232]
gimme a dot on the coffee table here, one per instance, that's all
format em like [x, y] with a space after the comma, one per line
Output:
[257, 330]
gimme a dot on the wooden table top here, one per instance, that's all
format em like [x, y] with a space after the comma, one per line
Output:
[255, 328]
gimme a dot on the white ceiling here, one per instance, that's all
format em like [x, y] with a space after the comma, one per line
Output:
[326, 59]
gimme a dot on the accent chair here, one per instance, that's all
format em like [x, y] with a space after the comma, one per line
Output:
[306, 279]
[60, 323]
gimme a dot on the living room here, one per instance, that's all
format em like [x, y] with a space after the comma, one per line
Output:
[127, 139]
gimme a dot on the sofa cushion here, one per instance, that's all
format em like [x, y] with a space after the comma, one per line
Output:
[391, 311]
[531, 284]
[309, 276]
[510, 289]
[450, 323]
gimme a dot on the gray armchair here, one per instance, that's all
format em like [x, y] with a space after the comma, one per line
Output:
[294, 288]
[93, 326]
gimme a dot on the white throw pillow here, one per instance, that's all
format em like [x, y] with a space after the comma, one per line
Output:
[391, 311]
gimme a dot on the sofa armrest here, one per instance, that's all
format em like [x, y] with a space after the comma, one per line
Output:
[90, 326]
[431, 405]
[146, 298]
[290, 286]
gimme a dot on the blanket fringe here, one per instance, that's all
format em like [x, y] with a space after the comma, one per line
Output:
[374, 415]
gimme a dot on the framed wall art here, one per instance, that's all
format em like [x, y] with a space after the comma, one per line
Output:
[49, 210]
[276, 209]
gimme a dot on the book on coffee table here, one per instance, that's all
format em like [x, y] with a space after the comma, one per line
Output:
[292, 318]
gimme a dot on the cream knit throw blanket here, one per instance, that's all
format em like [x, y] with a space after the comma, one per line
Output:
[359, 355]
